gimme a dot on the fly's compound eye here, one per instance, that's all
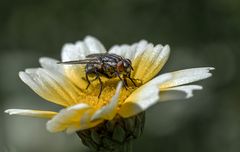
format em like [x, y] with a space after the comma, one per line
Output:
[128, 65]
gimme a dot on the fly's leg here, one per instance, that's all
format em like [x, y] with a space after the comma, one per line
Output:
[117, 74]
[100, 87]
[132, 81]
[100, 82]
[97, 77]
[88, 81]
[91, 71]
[123, 80]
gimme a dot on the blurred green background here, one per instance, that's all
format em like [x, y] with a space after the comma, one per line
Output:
[200, 33]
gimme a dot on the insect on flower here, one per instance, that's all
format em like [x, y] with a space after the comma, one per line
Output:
[111, 121]
[109, 65]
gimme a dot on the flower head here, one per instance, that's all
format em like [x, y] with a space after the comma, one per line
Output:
[65, 85]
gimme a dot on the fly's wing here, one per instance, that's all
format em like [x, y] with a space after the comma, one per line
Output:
[94, 55]
[114, 55]
[103, 55]
[84, 61]
[111, 57]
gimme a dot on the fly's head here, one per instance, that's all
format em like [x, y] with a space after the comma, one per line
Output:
[125, 66]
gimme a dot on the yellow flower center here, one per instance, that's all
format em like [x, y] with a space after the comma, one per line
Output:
[90, 95]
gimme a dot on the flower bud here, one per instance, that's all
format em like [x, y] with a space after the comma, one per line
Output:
[115, 135]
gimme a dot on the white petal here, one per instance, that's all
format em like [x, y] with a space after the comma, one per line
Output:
[159, 80]
[94, 45]
[50, 86]
[58, 69]
[130, 51]
[76, 74]
[109, 111]
[67, 117]
[147, 60]
[148, 65]
[85, 122]
[68, 88]
[51, 64]
[158, 60]
[186, 76]
[74, 51]
[139, 101]
[143, 98]
[32, 113]
[80, 49]
[38, 87]
[178, 93]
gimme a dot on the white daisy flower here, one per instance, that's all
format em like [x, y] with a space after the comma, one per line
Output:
[65, 85]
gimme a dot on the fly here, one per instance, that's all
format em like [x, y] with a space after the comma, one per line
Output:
[108, 65]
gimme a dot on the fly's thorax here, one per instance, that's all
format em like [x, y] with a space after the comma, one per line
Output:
[109, 68]
[92, 70]
[93, 67]
[89, 68]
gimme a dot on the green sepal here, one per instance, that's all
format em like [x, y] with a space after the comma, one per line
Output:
[115, 135]
[119, 134]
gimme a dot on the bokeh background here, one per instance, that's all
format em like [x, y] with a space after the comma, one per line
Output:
[200, 33]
